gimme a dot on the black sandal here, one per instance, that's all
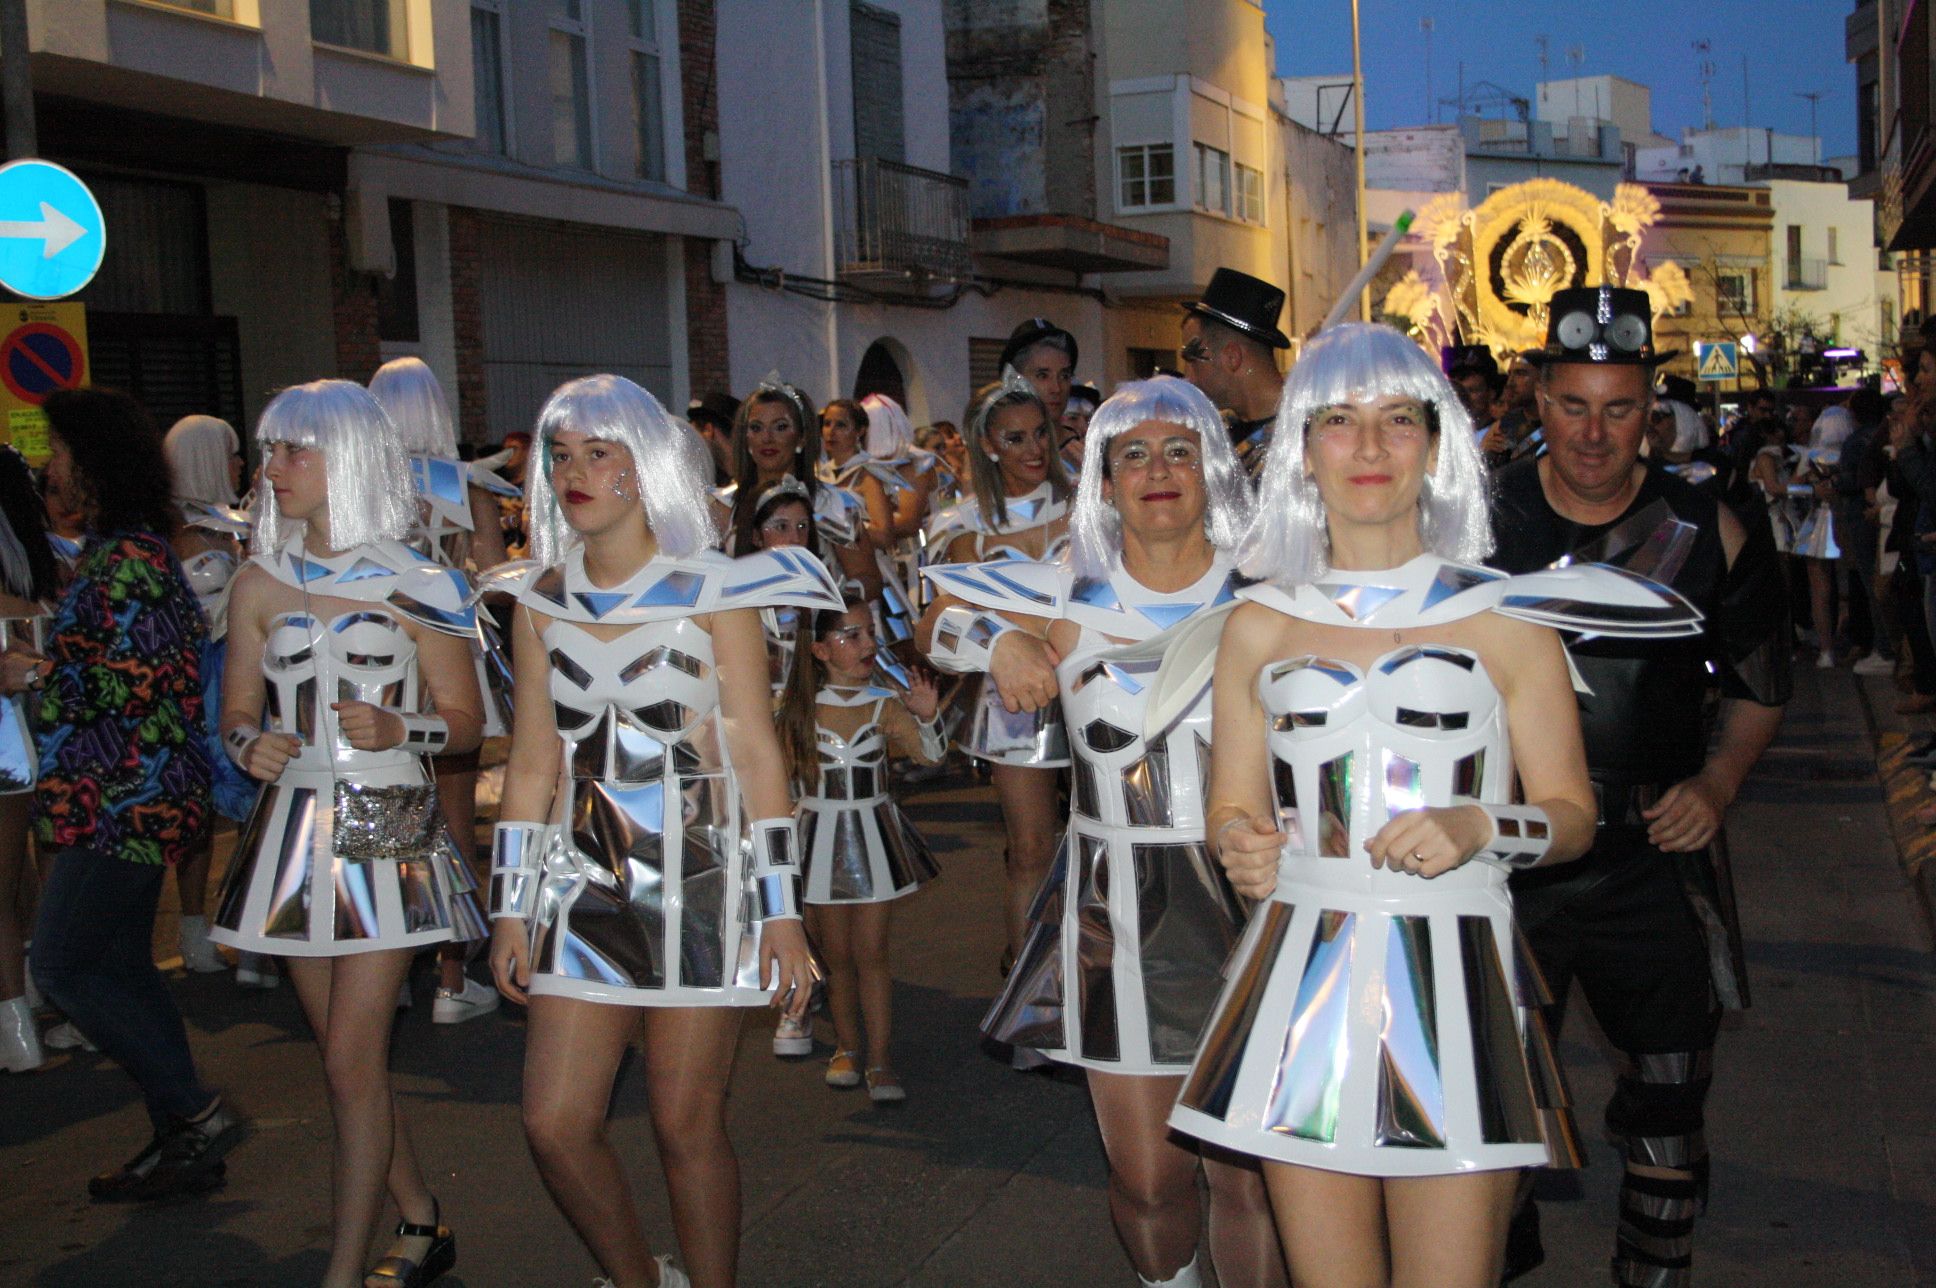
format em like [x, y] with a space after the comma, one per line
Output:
[439, 1260]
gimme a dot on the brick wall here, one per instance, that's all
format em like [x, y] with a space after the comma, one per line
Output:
[467, 326]
[706, 355]
[353, 310]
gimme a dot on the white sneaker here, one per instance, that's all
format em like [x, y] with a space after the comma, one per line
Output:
[1825, 661]
[254, 970]
[793, 1037]
[466, 1003]
[670, 1276]
[65, 1037]
[19, 1037]
[1876, 664]
[197, 952]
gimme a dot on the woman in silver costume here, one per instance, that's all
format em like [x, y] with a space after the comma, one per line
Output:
[207, 457]
[777, 436]
[1377, 1043]
[1130, 932]
[625, 884]
[860, 853]
[346, 638]
[457, 526]
[1020, 510]
[883, 495]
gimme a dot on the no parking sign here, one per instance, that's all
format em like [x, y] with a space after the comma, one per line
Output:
[43, 347]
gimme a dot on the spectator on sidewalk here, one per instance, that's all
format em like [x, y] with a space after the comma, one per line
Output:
[124, 779]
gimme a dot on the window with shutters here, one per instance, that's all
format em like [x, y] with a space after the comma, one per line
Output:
[874, 37]
[648, 104]
[490, 103]
[571, 94]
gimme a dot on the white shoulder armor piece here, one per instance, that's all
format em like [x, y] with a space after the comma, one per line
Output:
[1006, 585]
[787, 576]
[386, 572]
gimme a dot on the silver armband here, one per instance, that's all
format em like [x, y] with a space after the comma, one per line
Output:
[1521, 836]
[517, 867]
[964, 640]
[237, 741]
[426, 734]
[934, 743]
[776, 871]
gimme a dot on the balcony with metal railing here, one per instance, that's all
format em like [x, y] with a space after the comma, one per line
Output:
[1806, 275]
[896, 221]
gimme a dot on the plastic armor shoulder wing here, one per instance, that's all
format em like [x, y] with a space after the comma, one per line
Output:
[1598, 599]
[838, 514]
[224, 519]
[511, 578]
[1013, 586]
[430, 594]
[788, 576]
[385, 572]
[492, 482]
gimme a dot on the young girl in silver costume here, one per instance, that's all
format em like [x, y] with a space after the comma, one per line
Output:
[1129, 934]
[1020, 510]
[625, 886]
[1377, 1043]
[839, 729]
[348, 640]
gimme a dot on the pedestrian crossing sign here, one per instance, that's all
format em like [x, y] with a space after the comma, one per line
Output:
[1717, 359]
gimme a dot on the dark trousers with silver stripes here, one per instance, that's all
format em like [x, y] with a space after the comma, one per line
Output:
[1617, 923]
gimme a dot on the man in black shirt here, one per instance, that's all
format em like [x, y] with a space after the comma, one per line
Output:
[1645, 921]
[1230, 343]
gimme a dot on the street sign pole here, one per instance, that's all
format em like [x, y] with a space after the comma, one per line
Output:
[17, 81]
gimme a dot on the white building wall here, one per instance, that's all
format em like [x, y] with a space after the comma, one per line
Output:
[1849, 306]
[284, 316]
[1723, 155]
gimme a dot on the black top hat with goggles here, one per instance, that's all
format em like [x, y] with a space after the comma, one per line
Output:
[1248, 305]
[1600, 325]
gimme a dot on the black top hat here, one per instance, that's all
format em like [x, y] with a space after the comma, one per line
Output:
[1679, 389]
[1033, 332]
[1602, 325]
[717, 407]
[1086, 393]
[1245, 304]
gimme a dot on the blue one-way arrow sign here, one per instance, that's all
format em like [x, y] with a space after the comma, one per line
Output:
[52, 235]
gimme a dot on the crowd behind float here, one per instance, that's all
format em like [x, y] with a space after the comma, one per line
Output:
[1484, 658]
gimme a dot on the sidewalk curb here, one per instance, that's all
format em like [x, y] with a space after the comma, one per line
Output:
[1905, 789]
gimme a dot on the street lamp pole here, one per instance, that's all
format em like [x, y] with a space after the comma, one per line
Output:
[17, 81]
[1358, 153]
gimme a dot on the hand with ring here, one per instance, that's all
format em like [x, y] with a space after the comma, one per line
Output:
[1428, 842]
[22, 670]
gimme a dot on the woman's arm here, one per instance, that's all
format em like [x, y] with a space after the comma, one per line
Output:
[857, 564]
[487, 531]
[1240, 819]
[261, 755]
[880, 518]
[911, 505]
[746, 710]
[519, 841]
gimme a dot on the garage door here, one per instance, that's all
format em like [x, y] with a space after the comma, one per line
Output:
[561, 301]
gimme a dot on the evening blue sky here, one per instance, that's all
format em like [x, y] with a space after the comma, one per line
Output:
[1790, 45]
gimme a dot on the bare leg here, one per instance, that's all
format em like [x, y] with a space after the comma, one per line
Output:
[869, 930]
[1449, 1231]
[1152, 1177]
[1032, 827]
[1821, 610]
[457, 796]
[13, 862]
[571, 1055]
[1243, 1241]
[350, 1002]
[688, 1064]
[834, 937]
[1332, 1226]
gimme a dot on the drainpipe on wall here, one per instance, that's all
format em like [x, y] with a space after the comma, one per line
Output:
[831, 269]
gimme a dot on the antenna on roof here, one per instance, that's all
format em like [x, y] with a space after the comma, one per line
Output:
[1705, 47]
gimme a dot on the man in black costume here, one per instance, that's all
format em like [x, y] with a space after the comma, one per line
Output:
[1644, 922]
[1230, 344]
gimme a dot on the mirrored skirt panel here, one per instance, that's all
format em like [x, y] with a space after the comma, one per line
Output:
[861, 851]
[1124, 955]
[1381, 1037]
[286, 893]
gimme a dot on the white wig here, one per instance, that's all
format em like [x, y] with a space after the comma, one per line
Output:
[412, 398]
[1690, 431]
[670, 463]
[1288, 542]
[889, 431]
[371, 496]
[200, 448]
[1095, 528]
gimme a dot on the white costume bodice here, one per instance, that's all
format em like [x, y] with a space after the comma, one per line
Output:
[1036, 509]
[309, 662]
[1351, 750]
[853, 767]
[209, 573]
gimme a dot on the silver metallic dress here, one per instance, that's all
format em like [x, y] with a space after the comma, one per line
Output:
[983, 727]
[857, 845]
[1374, 1021]
[1128, 935]
[646, 896]
[287, 892]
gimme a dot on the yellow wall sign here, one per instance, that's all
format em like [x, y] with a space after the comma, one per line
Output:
[43, 347]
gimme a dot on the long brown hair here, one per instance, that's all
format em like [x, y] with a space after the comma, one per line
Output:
[797, 719]
[984, 475]
[806, 460]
